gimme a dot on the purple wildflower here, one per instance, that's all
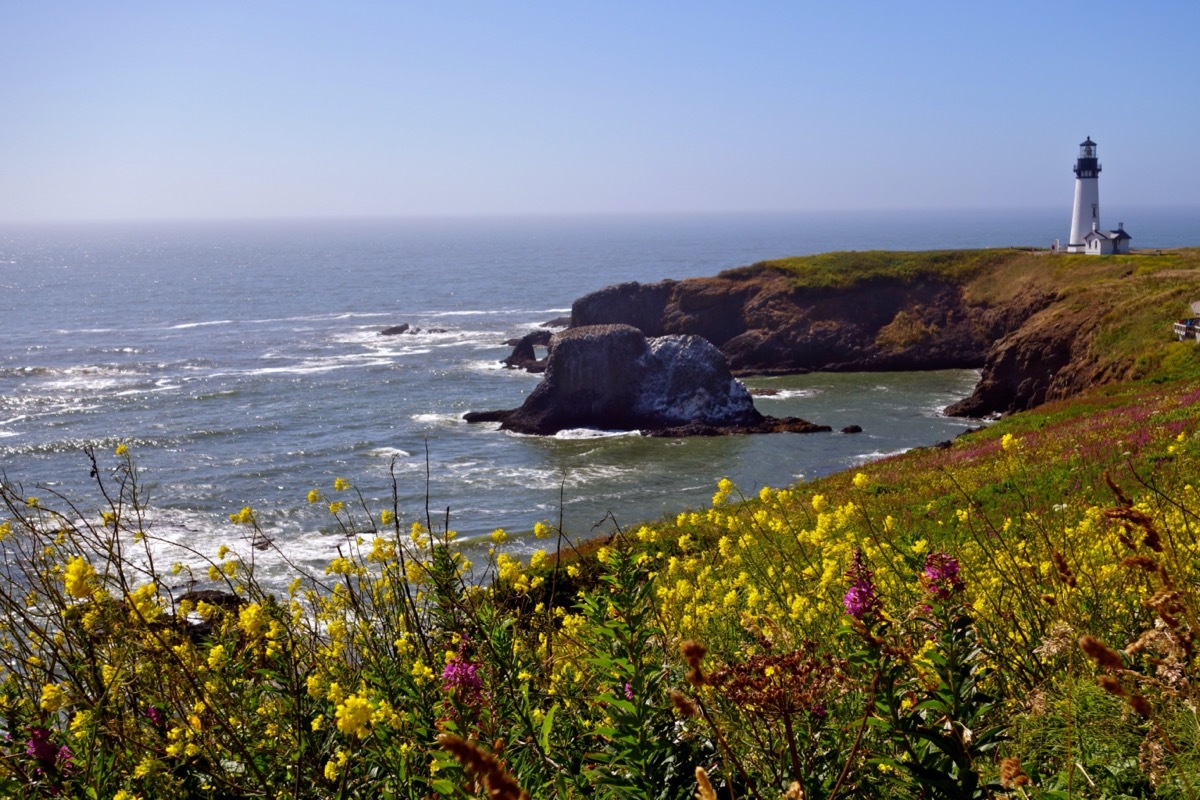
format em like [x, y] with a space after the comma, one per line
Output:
[941, 575]
[628, 691]
[40, 746]
[155, 715]
[861, 598]
[462, 677]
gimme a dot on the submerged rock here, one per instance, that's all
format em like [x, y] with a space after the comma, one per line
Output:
[612, 377]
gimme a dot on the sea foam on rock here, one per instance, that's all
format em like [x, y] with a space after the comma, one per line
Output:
[612, 377]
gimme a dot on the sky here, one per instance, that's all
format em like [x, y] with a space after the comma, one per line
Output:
[231, 109]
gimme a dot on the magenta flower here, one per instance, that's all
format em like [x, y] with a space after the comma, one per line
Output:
[462, 677]
[861, 598]
[941, 575]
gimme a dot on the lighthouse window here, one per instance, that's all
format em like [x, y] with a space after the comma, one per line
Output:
[1094, 210]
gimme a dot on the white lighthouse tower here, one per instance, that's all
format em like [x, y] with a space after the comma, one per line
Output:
[1086, 216]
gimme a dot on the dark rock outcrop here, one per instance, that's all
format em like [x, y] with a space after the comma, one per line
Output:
[524, 356]
[613, 377]
[396, 330]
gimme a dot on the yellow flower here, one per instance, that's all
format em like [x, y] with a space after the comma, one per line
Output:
[122, 449]
[217, 657]
[243, 517]
[53, 697]
[336, 506]
[861, 481]
[386, 517]
[252, 619]
[146, 767]
[143, 603]
[340, 484]
[313, 496]
[541, 530]
[1008, 441]
[499, 536]
[79, 578]
[33, 502]
[354, 716]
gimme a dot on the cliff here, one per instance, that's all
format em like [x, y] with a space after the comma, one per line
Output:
[1040, 325]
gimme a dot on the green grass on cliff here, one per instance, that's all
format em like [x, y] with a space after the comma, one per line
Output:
[844, 270]
[1126, 304]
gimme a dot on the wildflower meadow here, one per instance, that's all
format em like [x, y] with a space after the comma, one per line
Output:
[1013, 614]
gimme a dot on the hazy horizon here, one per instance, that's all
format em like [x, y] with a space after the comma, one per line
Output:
[137, 111]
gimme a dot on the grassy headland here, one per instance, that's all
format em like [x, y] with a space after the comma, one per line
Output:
[1011, 614]
[1127, 302]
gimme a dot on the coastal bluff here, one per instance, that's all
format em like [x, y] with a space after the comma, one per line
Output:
[1040, 325]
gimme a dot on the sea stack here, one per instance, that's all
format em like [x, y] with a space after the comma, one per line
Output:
[612, 377]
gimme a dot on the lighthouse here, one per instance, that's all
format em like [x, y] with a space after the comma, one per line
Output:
[1086, 236]
[1086, 215]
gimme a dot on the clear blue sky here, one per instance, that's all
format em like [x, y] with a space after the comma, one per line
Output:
[256, 108]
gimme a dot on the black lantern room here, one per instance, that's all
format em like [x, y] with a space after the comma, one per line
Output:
[1087, 165]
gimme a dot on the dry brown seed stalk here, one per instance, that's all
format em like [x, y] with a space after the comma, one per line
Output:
[1121, 498]
[1143, 521]
[484, 767]
[683, 704]
[1104, 656]
[705, 786]
[1012, 774]
[1064, 569]
[1144, 563]
[1141, 705]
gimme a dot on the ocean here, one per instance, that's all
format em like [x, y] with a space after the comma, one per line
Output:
[242, 363]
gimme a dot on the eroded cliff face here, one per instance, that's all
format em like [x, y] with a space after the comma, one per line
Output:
[1048, 357]
[763, 325]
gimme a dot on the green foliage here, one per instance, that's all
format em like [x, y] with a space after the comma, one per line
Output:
[568, 678]
[843, 270]
[941, 722]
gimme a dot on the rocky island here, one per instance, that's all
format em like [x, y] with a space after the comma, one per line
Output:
[614, 377]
